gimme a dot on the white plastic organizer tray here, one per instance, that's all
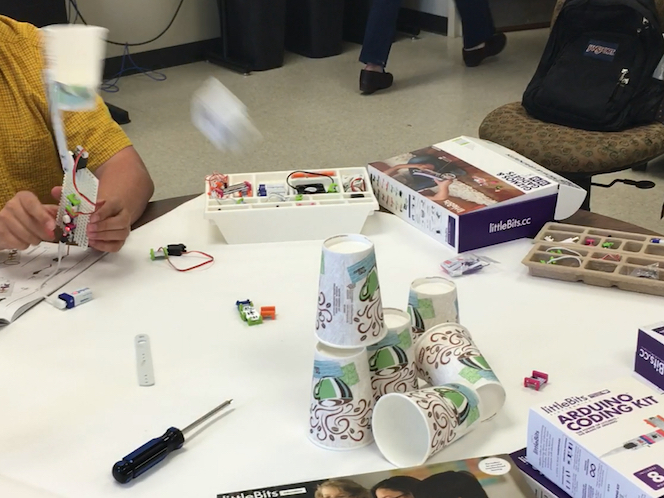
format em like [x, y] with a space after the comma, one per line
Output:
[277, 213]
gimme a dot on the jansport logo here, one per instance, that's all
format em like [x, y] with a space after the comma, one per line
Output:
[601, 50]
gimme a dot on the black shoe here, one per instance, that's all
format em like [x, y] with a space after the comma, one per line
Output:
[493, 46]
[372, 81]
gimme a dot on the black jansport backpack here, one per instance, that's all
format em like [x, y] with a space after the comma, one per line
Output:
[596, 72]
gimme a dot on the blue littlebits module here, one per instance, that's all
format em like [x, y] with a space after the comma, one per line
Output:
[76, 298]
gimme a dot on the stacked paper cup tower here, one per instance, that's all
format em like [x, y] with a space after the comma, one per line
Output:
[369, 363]
[350, 319]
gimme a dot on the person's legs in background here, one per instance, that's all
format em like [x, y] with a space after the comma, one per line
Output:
[480, 39]
[378, 38]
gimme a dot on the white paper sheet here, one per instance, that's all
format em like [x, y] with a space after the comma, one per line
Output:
[22, 273]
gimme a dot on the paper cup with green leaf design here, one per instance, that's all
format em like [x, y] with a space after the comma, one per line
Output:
[432, 301]
[341, 399]
[350, 311]
[392, 360]
[446, 353]
[411, 427]
[74, 57]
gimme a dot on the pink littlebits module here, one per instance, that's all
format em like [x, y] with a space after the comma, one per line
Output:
[606, 442]
[73, 299]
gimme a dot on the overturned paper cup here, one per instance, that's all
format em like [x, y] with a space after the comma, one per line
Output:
[432, 301]
[350, 311]
[411, 427]
[392, 360]
[341, 399]
[446, 353]
[74, 57]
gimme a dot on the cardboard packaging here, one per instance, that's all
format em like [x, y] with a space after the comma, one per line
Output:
[469, 193]
[602, 443]
[649, 362]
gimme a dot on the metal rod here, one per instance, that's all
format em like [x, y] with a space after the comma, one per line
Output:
[207, 416]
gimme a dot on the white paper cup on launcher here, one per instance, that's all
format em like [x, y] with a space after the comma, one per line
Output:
[411, 427]
[75, 57]
[392, 360]
[446, 353]
[432, 301]
[341, 399]
[350, 311]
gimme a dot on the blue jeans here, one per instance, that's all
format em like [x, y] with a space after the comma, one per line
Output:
[475, 16]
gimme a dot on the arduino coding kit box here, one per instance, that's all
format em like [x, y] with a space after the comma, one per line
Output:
[541, 486]
[603, 443]
[469, 193]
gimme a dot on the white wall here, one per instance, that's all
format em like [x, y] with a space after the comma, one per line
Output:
[139, 20]
[436, 7]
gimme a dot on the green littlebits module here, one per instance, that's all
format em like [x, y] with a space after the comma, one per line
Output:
[158, 254]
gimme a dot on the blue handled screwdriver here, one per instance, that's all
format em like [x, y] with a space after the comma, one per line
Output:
[154, 451]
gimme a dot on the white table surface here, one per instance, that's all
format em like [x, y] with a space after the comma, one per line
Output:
[71, 405]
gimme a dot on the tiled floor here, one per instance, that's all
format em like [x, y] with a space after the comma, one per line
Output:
[311, 115]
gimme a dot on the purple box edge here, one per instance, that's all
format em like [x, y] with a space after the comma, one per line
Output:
[474, 227]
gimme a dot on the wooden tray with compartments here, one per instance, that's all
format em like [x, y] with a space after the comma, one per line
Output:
[606, 258]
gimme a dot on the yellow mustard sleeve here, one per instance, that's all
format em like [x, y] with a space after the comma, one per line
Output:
[97, 133]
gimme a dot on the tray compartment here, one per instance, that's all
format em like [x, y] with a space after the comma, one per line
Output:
[600, 266]
[558, 227]
[620, 235]
[656, 249]
[610, 244]
[591, 241]
[607, 256]
[559, 236]
[632, 246]
[538, 257]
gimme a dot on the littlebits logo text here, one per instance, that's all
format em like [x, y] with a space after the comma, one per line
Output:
[536, 438]
[501, 226]
[253, 494]
[654, 361]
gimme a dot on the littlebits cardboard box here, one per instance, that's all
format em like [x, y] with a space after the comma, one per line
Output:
[649, 362]
[469, 193]
[603, 443]
[542, 486]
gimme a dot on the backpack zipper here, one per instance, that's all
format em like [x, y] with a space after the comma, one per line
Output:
[645, 25]
[623, 81]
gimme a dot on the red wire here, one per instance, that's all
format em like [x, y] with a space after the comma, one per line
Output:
[74, 177]
[211, 260]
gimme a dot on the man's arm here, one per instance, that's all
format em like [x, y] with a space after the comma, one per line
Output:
[125, 187]
[394, 169]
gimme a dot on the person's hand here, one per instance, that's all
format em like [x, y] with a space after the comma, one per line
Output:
[109, 226]
[25, 222]
[443, 190]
